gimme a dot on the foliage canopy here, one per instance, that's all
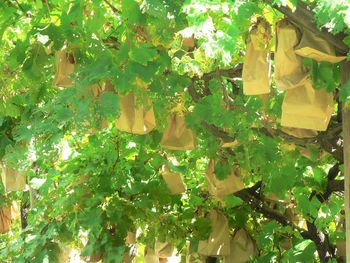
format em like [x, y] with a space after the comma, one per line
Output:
[89, 178]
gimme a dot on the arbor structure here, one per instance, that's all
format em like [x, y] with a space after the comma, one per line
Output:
[78, 78]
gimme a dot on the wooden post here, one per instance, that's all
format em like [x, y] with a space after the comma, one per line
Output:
[345, 72]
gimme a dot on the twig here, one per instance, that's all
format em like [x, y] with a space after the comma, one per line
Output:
[114, 9]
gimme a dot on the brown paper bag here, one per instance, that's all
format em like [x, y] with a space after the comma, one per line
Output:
[307, 108]
[136, 119]
[130, 241]
[242, 248]
[195, 258]
[221, 188]
[150, 256]
[218, 243]
[341, 248]
[12, 179]
[94, 258]
[164, 249]
[229, 144]
[129, 256]
[340, 244]
[294, 217]
[189, 42]
[64, 253]
[300, 133]
[315, 47]
[286, 243]
[256, 66]
[177, 136]
[5, 219]
[65, 66]
[173, 181]
[130, 238]
[289, 70]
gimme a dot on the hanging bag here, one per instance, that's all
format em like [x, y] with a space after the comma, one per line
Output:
[294, 217]
[257, 63]
[177, 136]
[65, 66]
[134, 118]
[164, 249]
[242, 248]
[289, 70]
[173, 181]
[221, 188]
[340, 244]
[13, 180]
[315, 47]
[300, 133]
[5, 219]
[218, 243]
[150, 256]
[307, 108]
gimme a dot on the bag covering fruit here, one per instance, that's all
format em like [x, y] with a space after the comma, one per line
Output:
[257, 62]
[315, 47]
[13, 180]
[65, 66]
[177, 136]
[5, 219]
[218, 243]
[289, 70]
[173, 181]
[221, 188]
[242, 248]
[134, 118]
[306, 108]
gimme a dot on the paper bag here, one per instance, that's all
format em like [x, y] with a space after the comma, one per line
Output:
[218, 243]
[5, 219]
[289, 70]
[135, 119]
[189, 42]
[129, 256]
[341, 248]
[229, 143]
[130, 238]
[94, 257]
[307, 108]
[340, 244]
[173, 181]
[300, 133]
[315, 47]
[242, 248]
[65, 66]
[221, 188]
[256, 66]
[150, 256]
[195, 258]
[64, 253]
[12, 179]
[164, 249]
[294, 217]
[177, 136]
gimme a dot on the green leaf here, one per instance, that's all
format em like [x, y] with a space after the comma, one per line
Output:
[233, 201]
[302, 252]
[222, 170]
[344, 93]
[109, 104]
[131, 11]
[142, 55]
